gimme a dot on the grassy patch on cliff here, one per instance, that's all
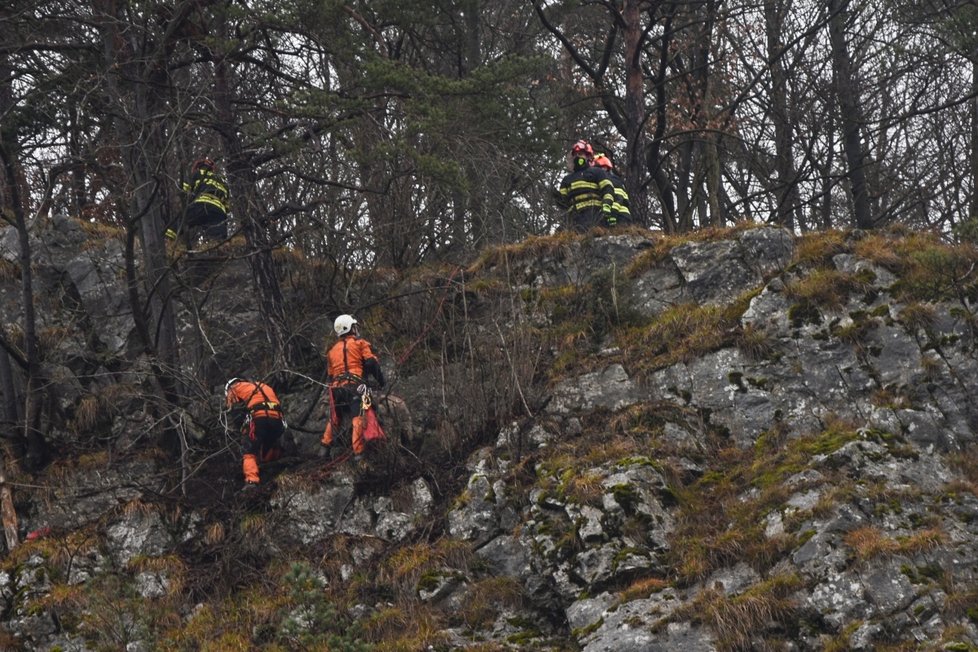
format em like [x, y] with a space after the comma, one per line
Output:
[687, 331]
[722, 517]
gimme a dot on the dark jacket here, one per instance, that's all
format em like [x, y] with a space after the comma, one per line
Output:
[619, 207]
[208, 187]
[588, 194]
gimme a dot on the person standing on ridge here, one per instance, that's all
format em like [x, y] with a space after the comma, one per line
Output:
[263, 424]
[586, 191]
[207, 212]
[349, 361]
[619, 207]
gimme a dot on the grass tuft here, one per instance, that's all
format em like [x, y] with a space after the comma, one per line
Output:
[737, 620]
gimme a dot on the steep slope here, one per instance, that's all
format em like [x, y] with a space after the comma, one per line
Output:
[738, 440]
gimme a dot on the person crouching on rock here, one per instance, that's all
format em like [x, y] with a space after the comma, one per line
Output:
[262, 427]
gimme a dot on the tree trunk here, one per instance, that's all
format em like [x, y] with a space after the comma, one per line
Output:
[973, 110]
[850, 109]
[787, 184]
[635, 114]
[136, 85]
[655, 161]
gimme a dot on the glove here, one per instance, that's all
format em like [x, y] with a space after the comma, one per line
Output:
[171, 234]
[611, 220]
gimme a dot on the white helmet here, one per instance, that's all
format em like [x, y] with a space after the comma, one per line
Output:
[227, 385]
[343, 325]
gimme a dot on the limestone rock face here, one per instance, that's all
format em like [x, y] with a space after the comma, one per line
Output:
[806, 480]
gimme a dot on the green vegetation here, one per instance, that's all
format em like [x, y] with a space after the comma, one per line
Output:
[686, 331]
[721, 517]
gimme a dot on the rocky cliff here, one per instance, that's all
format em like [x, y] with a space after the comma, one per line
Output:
[738, 440]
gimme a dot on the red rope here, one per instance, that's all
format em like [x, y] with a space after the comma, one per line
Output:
[329, 466]
[427, 328]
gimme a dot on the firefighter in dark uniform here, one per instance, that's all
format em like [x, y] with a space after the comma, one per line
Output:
[586, 192]
[207, 213]
[619, 207]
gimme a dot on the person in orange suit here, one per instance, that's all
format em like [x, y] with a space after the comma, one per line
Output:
[263, 424]
[349, 361]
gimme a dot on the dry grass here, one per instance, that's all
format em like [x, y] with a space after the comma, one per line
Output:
[405, 628]
[51, 337]
[286, 256]
[962, 602]
[818, 248]
[172, 567]
[918, 316]
[870, 543]
[86, 414]
[101, 230]
[485, 599]
[255, 525]
[737, 620]
[63, 595]
[583, 489]
[754, 342]
[722, 515]
[59, 551]
[686, 331]
[215, 628]
[9, 271]
[643, 588]
[965, 462]
[652, 256]
[407, 568]
[137, 508]
[214, 534]
[530, 248]
[932, 365]
[924, 541]
[299, 482]
[934, 271]
[663, 244]
[679, 334]
[889, 398]
[955, 487]
[118, 393]
[880, 249]
[826, 288]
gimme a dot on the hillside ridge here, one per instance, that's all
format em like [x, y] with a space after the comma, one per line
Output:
[739, 439]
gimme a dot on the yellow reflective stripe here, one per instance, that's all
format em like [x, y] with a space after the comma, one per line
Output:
[210, 199]
[583, 185]
[217, 185]
[586, 204]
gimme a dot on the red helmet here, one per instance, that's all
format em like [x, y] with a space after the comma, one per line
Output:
[603, 161]
[583, 148]
[204, 163]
